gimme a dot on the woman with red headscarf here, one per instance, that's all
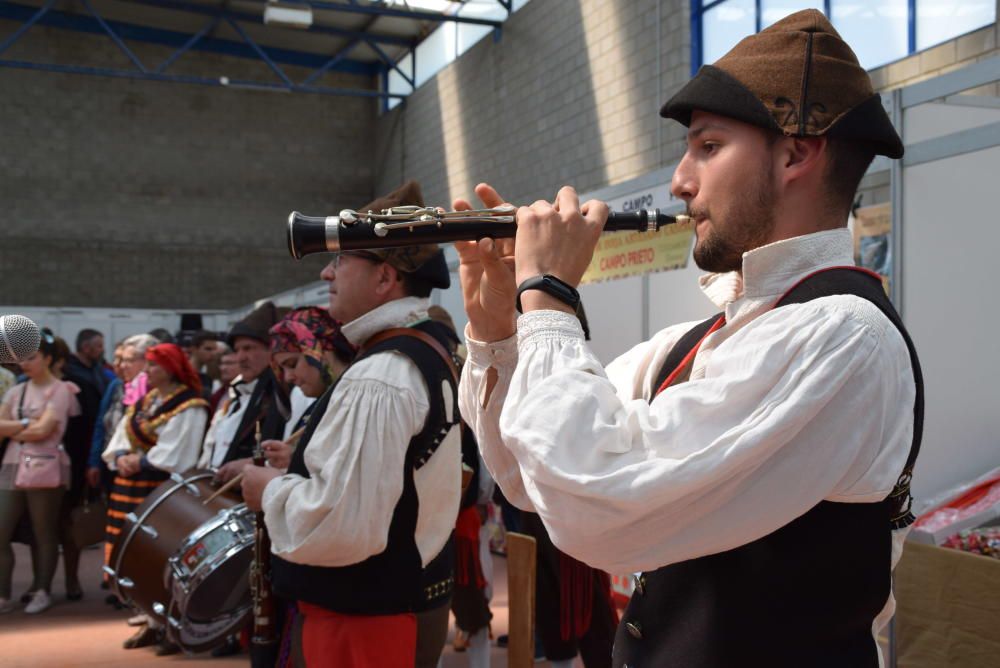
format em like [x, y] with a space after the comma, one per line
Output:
[159, 435]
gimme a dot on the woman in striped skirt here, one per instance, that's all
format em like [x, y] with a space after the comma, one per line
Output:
[157, 436]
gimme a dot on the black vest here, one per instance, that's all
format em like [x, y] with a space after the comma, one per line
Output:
[394, 580]
[268, 404]
[804, 595]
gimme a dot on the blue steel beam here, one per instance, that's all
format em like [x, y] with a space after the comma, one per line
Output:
[260, 52]
[394, 65]
[188, 45]
[337, 57]
[35, 18]
[205, 81]
[376, 10]
[84, 23]
[179, 5]
[114, 37]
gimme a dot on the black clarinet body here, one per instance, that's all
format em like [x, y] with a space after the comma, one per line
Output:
[408, 226]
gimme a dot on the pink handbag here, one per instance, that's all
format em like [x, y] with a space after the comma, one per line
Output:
[41, 467]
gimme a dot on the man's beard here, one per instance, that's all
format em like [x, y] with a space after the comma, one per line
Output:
[748, 226]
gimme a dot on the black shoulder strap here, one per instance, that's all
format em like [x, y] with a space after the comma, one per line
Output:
[868, 286]
[433, 368]
[680, 351]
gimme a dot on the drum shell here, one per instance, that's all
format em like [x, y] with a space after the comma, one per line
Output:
[173, 511]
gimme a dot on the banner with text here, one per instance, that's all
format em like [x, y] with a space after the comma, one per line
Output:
[622, 254]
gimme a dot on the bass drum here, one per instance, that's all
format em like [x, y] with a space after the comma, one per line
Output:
[185, 562]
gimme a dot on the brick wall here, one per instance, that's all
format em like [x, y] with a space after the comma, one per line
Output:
[121, 193]
[569, 95]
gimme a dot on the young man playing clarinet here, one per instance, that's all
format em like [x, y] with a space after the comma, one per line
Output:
[361, 524]
[755, 467]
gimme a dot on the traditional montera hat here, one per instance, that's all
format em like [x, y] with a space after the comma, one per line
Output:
[426, 261]
[798, 77]
[256, 324]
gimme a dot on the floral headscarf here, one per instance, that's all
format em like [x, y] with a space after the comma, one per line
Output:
[310, 331]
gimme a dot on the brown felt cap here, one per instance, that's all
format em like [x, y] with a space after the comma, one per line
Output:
[426, 261]
[798, 77]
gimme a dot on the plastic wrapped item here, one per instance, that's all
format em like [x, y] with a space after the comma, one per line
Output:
[985, 541]
[965, 507]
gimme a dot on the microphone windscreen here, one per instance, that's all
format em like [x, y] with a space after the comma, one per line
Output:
[19, 338]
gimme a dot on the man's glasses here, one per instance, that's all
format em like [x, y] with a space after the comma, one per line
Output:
[336, 257]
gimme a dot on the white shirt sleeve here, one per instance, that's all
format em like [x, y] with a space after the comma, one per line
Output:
[807, 402]
[341, 514]
[178, 441]
[117, 442]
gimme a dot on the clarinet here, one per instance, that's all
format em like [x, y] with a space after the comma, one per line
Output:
[412, 225]
[264, 642]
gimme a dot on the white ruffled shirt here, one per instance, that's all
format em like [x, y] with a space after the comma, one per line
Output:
[784, 408]
[178, 441]
[341, 514]
[225, 423]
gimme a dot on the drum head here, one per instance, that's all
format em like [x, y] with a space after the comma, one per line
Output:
[224, 590]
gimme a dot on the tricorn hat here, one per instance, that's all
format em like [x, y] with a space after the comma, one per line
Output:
[427, 261]
[798, 77]
[256, 324]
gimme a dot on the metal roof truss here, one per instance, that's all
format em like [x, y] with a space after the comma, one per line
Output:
[248, 47]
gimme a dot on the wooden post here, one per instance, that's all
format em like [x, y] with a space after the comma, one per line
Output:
[521, 600]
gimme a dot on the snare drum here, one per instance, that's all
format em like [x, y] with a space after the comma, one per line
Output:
[186, 563]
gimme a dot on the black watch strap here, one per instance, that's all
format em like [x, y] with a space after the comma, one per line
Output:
[550, 285]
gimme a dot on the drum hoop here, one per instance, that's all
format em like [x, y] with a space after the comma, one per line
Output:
[123, 547]
[220, 519]
[187, 588]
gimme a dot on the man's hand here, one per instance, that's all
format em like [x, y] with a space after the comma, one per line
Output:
[129, 465]
[230, 470]
[255, 479]
[278, 453]
[486, 273]
[94, 476]
[557, 239]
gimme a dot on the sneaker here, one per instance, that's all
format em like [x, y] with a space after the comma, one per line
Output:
[27, 596]
[7, 605]
[40, 602]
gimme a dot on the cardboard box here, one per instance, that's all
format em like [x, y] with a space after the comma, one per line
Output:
[948, 609]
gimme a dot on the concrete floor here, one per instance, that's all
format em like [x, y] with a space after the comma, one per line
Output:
[90, 633]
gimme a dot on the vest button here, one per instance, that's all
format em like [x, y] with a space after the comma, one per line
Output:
[640, 584]
[634, 630]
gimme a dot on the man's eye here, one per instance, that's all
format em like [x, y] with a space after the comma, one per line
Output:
[709, 147]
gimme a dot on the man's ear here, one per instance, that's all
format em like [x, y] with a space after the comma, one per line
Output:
[386, 278]
[802, 157]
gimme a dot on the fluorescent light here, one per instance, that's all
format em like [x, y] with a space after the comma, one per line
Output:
[288, 14]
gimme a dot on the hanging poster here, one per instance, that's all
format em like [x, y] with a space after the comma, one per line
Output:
[622, 254]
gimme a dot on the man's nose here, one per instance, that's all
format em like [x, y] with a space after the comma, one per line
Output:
[683, 185]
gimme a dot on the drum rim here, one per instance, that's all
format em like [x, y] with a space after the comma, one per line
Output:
[179, 481]
[170, 576]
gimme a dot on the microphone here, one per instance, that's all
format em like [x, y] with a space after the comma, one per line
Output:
[19, 338]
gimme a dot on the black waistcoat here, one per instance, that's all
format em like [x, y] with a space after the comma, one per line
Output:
[394, 580]
[268, 404]
[804, 595]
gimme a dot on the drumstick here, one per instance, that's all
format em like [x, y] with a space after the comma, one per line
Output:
[232, 483]
[225, 488]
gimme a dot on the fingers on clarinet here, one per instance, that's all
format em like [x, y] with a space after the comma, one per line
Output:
[461, 205]
[489, 196]
[595, 211]
[567, 199]
[526, 214]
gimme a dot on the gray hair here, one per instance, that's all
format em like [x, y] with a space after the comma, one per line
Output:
[141, 342]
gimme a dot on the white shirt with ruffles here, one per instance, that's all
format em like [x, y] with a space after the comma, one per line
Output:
[178, 441]
[784, 408]
[341, 514]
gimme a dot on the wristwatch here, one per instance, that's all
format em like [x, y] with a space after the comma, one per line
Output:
[551, 285]
[25, 422]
